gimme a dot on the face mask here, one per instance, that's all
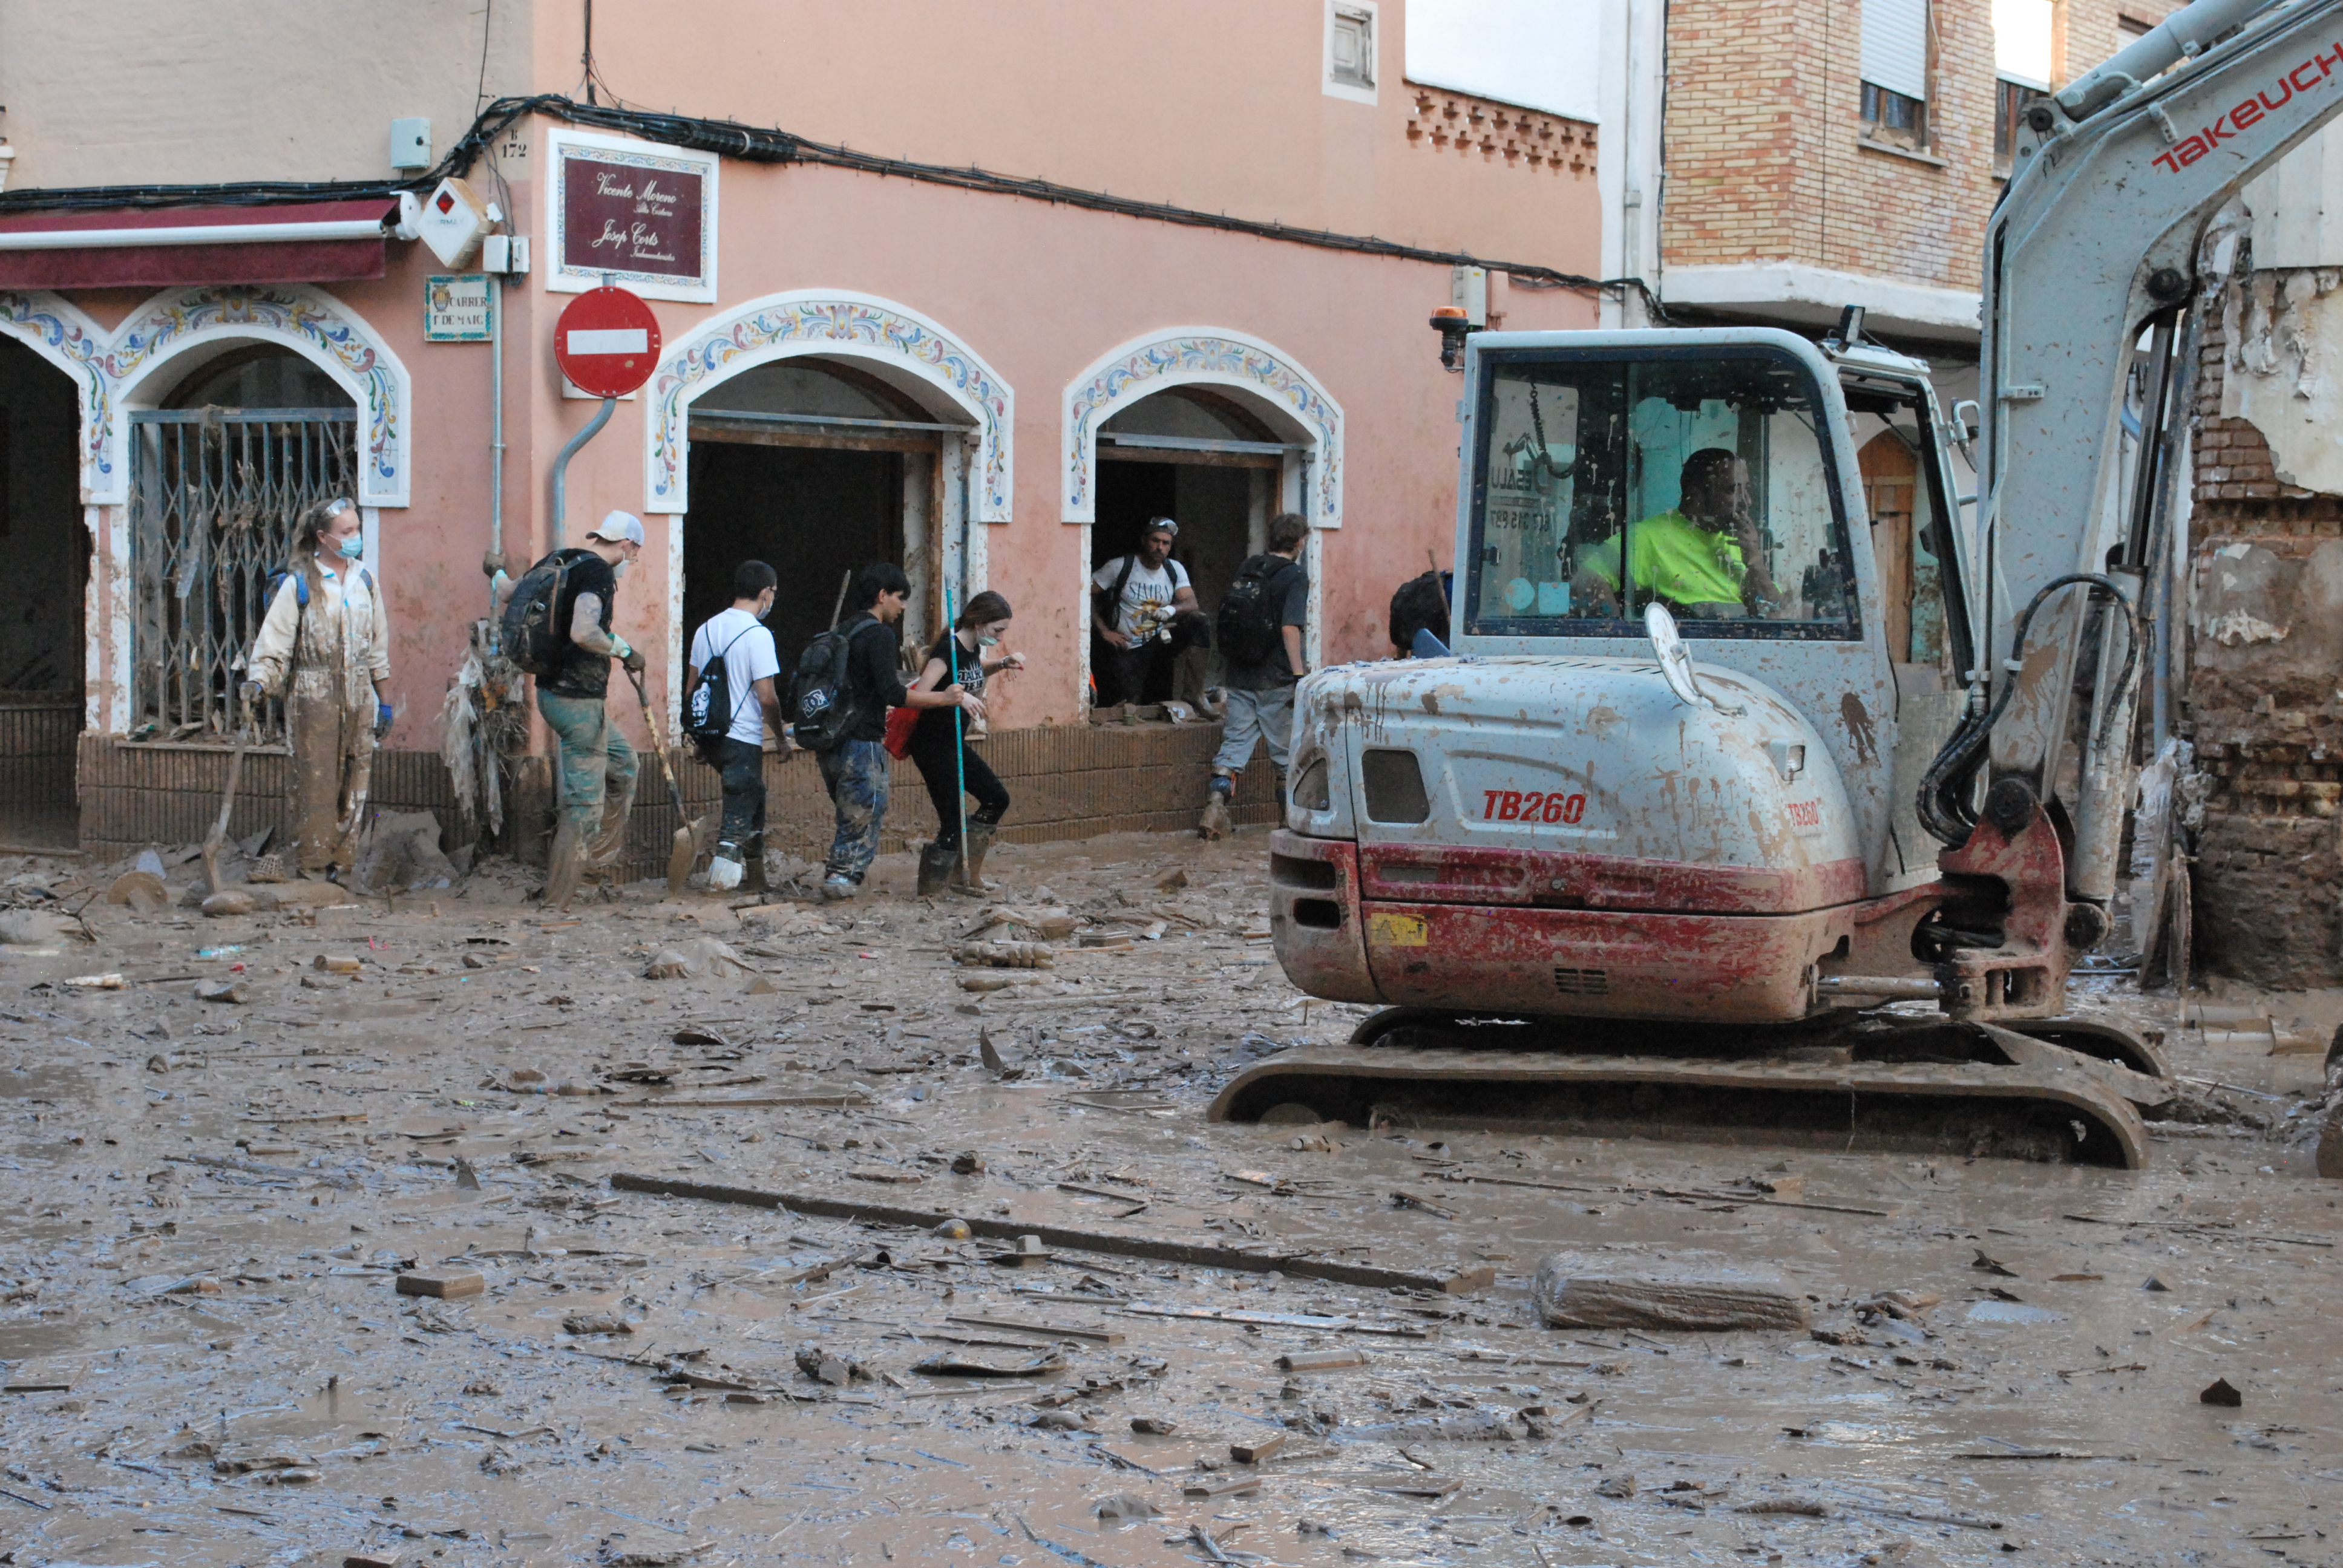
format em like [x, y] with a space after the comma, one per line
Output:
[983, 641]
[763, 611]
[621, 570]
[352, 547]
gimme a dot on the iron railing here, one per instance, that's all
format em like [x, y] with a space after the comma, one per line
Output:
[214, 494]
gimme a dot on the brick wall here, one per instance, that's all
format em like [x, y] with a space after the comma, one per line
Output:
[1065, 782]
[2261, 700]
[1765, 154]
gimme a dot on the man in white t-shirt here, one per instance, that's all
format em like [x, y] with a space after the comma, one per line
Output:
[737, 637]
[1147, 616]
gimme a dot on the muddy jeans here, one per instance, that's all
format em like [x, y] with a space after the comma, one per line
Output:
[741, 766]
[598, 773]
[1267, 713]
[333, 761]
[857, 776]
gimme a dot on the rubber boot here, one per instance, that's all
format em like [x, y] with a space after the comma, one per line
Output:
[936, 861]
[979, 839]
[754, 880]
[1215, 824]
[563, 866]
[1189, 671]
[726, 869]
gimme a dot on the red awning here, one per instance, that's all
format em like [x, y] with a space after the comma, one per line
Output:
[304, 242]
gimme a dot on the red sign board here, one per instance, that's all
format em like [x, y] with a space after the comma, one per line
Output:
[629, 216]
[606, 342]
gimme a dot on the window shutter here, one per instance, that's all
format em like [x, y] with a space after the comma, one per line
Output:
[1896, 46]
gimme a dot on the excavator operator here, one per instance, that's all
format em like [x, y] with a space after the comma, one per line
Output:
[1703, 556]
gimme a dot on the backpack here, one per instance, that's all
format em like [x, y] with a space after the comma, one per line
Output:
[710, 711]
[531, 634]
[822, 707]
[1251, 623]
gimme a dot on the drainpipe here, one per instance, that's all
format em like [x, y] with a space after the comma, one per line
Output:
[561, 464]
[496, 561]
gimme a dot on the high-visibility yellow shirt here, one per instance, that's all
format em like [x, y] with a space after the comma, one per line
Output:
[1672, 556]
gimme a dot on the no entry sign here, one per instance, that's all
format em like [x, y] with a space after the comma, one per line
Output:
[606, 342]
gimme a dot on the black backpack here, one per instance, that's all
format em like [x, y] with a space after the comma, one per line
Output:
[1252, 622]
[822, 706]
[531, 634]
[710, 711]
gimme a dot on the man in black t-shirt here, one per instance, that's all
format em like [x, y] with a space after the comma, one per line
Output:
[856, 773]
[598, 766]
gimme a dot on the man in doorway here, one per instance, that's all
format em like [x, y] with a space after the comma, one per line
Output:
[1703, 557]
[737, 637]
[1261, 624]
[856, 770]
[1147, 616]
[598, 766]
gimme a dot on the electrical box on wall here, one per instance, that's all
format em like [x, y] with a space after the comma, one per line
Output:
[410, 144]
[1468, 289]
[505, 253]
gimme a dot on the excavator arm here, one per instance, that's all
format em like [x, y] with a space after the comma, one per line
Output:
[2093, 248]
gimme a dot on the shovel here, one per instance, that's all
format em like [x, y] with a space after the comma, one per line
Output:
[687, 837]
[227, 803]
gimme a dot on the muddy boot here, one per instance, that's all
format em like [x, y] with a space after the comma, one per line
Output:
[1188, 674]
[726, 869]
[753, 881]
[1215, 824]
[979, 839]
[563, 866]
[936, 861]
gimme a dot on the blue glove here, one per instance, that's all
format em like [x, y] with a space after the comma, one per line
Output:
[382, 718]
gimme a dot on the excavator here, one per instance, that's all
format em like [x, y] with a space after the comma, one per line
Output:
[1773, 789]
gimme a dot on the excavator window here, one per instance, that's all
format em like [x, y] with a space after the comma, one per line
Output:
[1697, 478]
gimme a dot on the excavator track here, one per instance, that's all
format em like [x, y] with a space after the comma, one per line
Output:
[1875, 1082]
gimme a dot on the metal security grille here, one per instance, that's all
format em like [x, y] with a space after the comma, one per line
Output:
[214, 494]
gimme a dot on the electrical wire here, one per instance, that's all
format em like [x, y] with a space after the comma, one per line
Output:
[754, 144]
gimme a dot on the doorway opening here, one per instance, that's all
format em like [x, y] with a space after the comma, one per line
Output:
[41, 599]
[818, 468]
[1209, 464]
[219, 474]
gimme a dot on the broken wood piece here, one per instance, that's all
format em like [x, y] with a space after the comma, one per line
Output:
[948, 1363]
[1320, 1361]
[1110, 1243]
[1432, 1487]
[449, 1284]
[1060, 1331]
[1205, 1486]
[1575, 1293]
[1287, 1320]
[1253, 1450]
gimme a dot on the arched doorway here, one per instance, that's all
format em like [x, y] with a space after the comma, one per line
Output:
[237, 447]
[1202, 459]
[818, 465]
[42, 599]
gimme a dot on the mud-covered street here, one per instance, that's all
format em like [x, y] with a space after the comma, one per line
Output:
[218, 1209]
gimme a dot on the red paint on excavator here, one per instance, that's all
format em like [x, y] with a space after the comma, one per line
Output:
[1450, 874]
[1599, 963]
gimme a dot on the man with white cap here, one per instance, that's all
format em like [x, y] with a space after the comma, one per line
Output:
[598, 766]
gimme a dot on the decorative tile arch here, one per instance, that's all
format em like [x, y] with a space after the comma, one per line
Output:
[823, 321]
[308, 321]
[1190, 356]
[55, 328]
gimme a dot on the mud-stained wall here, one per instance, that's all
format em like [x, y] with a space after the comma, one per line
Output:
[2264, 633]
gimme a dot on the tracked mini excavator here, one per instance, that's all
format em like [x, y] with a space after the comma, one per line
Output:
[1755, 732]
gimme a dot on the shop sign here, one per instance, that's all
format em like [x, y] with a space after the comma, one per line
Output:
[635, 213]
[457, 309]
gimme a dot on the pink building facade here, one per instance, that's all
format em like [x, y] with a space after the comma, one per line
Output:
[934, 361]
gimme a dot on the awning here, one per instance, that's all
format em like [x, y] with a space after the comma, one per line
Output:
[304, 242]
